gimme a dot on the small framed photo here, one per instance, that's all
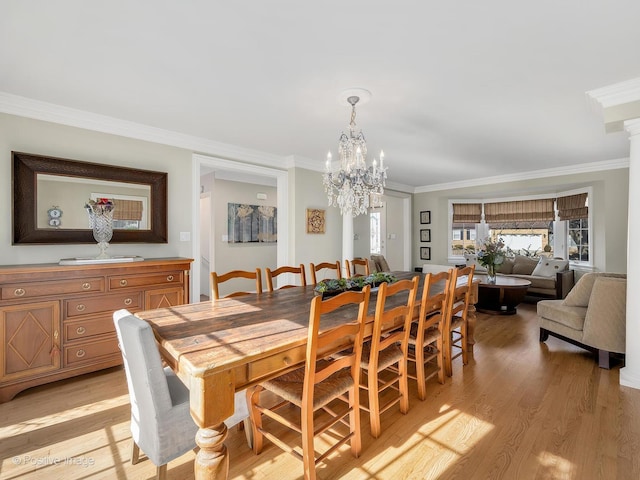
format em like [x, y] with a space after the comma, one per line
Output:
[425, 235]
[425, 217]
[425, 253]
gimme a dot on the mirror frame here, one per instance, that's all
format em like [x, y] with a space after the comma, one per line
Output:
[25, 169]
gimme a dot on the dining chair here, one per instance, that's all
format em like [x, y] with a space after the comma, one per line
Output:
[352, 267]
[380, 263]
[322, 266]
[271, 274]
[457, 321]
[319, 387]
[384, 358]
[426, 337]
[161, 423]
[216, 280]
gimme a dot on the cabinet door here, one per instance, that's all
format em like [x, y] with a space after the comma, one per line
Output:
[30, 339]
[164, 297]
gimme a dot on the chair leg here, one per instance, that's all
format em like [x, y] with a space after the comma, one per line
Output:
[464, 344]
[374, 403]
[354, 420]
[403, 385]
[253, 398]
[161, 472]
[604, 359]
[422, 387]
[248, 431]
[308, 450]
[440, 359]
[135, 453]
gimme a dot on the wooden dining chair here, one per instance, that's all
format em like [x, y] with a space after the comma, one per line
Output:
[426, 338]
[352, 267]
[322, 266]
[319, 387]
[384, 358]
[456, 337]
[271, 274]
[216, 280]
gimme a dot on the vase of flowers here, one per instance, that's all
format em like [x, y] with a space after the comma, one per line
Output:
[491, 254]
[101, 221]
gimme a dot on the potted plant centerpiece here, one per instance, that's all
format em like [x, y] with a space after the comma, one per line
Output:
[334, 286]
[490, 255]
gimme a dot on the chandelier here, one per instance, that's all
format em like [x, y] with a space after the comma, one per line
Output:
[354, 187]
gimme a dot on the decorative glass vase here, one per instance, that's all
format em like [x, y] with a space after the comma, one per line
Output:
[101, 221]
[491, 273]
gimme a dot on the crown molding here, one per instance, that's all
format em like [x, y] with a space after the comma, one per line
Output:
[549, 172]
[616, 94]
[49, 112]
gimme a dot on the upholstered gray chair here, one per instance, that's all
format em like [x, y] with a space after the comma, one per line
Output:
[161, 424]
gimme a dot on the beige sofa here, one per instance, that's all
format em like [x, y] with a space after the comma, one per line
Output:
[549, 277]
[592, 316]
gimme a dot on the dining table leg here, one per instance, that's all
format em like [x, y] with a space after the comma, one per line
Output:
[212, 460]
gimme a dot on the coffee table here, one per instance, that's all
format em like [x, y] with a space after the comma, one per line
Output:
[502, 297]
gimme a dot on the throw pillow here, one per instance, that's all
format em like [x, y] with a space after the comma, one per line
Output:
[472, 259]
[506, 266]
[524, 265]
[548, 267]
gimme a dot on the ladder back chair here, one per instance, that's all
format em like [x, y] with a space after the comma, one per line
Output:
[330, 375]
[426, 338]
[384, 358]
[217, 279]
[271, 274]
[457, 331]
[352, 267]
[324, 266]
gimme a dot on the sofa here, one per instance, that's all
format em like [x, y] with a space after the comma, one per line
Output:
[551, 278]
[592, 316]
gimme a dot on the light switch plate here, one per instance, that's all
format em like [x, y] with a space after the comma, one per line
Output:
[185, 236]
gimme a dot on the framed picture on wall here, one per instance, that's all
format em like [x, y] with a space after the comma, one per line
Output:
[315, 220]
[425, 253]
[425, 235]
[425, 217]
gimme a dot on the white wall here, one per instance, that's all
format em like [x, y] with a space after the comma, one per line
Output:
[44, 138]
[608, 204]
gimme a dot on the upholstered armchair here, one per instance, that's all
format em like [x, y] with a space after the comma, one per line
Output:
[592, 316]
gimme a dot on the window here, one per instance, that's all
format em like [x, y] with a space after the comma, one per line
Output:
[374, 229]
[527, 226]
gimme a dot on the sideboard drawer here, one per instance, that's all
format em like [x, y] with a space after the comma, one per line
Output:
[88, 328]
[104, 303]
[129, 281]
[89, 352]
[43, 289]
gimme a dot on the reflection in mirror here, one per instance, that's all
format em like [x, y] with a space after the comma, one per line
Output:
[61, 199]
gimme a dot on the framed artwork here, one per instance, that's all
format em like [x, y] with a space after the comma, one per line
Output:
[425, 217]
[425, 253]
[252, 223]
[315, 220]
[425, 235]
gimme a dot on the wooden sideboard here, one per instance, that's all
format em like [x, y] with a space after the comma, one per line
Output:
[56, 321]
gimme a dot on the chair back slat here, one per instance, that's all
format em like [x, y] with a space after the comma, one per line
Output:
[324, 266]
[217, 279]
[271, 274]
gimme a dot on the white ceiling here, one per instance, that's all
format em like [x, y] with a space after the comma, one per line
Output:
[461, 89]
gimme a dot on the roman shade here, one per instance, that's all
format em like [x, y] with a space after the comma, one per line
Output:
[467, 212]
[540, 210]
[573, 206]
[127, 210]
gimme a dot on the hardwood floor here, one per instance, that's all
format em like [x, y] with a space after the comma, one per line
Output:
[519, 410]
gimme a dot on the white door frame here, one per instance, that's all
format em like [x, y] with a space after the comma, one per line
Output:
[282, 203]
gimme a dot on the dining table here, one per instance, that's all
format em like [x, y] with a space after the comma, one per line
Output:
[221, 347]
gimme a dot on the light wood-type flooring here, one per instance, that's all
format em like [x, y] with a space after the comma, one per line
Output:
[519, 410]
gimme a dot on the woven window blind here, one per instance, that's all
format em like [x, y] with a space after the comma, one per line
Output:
[573, 206]
[127, 210]
[467, 212]
[520, 211]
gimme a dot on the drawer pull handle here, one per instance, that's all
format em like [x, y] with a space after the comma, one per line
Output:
[80, 353]
[169, 278]
[81, 330]
[18, 292]
[80, 307]
[128, 301]
[123, 283]
[286, 361]
[86, 286]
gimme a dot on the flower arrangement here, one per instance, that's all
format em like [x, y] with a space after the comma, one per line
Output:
[491, 254]
[334, 286]
[100, 206]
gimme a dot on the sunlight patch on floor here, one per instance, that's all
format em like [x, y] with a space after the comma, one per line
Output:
[555, 467]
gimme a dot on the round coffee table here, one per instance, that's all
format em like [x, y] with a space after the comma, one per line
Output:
[502, 297]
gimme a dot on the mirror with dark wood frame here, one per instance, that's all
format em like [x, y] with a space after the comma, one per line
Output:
[42, 184]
